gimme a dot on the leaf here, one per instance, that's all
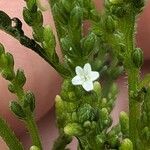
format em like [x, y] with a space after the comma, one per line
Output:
[145, 82]
[5, 20]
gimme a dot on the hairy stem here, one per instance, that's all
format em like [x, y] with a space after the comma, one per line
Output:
[9, 137]
[133, 79]
[32, 128]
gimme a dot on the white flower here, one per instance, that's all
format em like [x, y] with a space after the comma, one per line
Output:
[85, 77]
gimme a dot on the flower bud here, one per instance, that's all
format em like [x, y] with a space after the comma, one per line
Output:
[146, 133]
[17, 110]
[88, 43]
[137, 57]
[29, 101]
[126, 145]
[8, 74]
[97, 88]
[124, 122]
[27, 17]
[100, 139]
[12, 88]
[34, 148]
[110, 24]
[67, 4]
[73, 129]
[67, 46]
[85, 113]
[87, 124]
[116, 1]
[76, 17]
[32, 6]
[20, 78]
[7, 60]
[60, 16]
[38, 20]
[59, 104]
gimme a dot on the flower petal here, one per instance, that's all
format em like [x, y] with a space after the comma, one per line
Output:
[87, 68]
[77, 80]
[79, 71]
[94, 75]
[88, 85]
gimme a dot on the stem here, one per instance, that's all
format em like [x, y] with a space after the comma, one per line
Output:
[30, 123]
[133, 79]
[32, 128]
[134, 107]
[61, 142]
[9, 137]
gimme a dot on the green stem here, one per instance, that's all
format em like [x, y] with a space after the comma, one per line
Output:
[61, 142]
[134, 106]
[32, 128]
[9, 137]
[30, 123]
[133, 79]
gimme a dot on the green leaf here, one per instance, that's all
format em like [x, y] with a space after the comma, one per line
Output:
[5, 20]
[145, 82]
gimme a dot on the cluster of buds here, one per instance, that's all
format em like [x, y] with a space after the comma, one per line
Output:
[26, 100]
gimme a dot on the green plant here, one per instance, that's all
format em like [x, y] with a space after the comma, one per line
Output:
[83, 107]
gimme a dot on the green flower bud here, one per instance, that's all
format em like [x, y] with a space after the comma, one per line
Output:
[110, 24]
[29, 101]
[88, 43]
[104, 102]
[97, 88]
[126, 145]
[85, 113]
[67, 45]
[146, 133]
[49, 41]
[48, 34]
[59, 104]
[32, 5]
[113, 138]
[137, 57]
[7, 59]
[76, 17]
[27, 17]
[60, 16]
[17, 110]
[38, 19]
[87, 124]
[116, 1]
[74, 117]
[8, 74]
[12, 88]
[124, 122]
[94, 15]
[20, 78]
[73, 129]
[67, 4]
[100, 139]
[104, 114]
[34, 148]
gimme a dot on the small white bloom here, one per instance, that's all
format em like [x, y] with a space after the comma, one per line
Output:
[85, 77]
